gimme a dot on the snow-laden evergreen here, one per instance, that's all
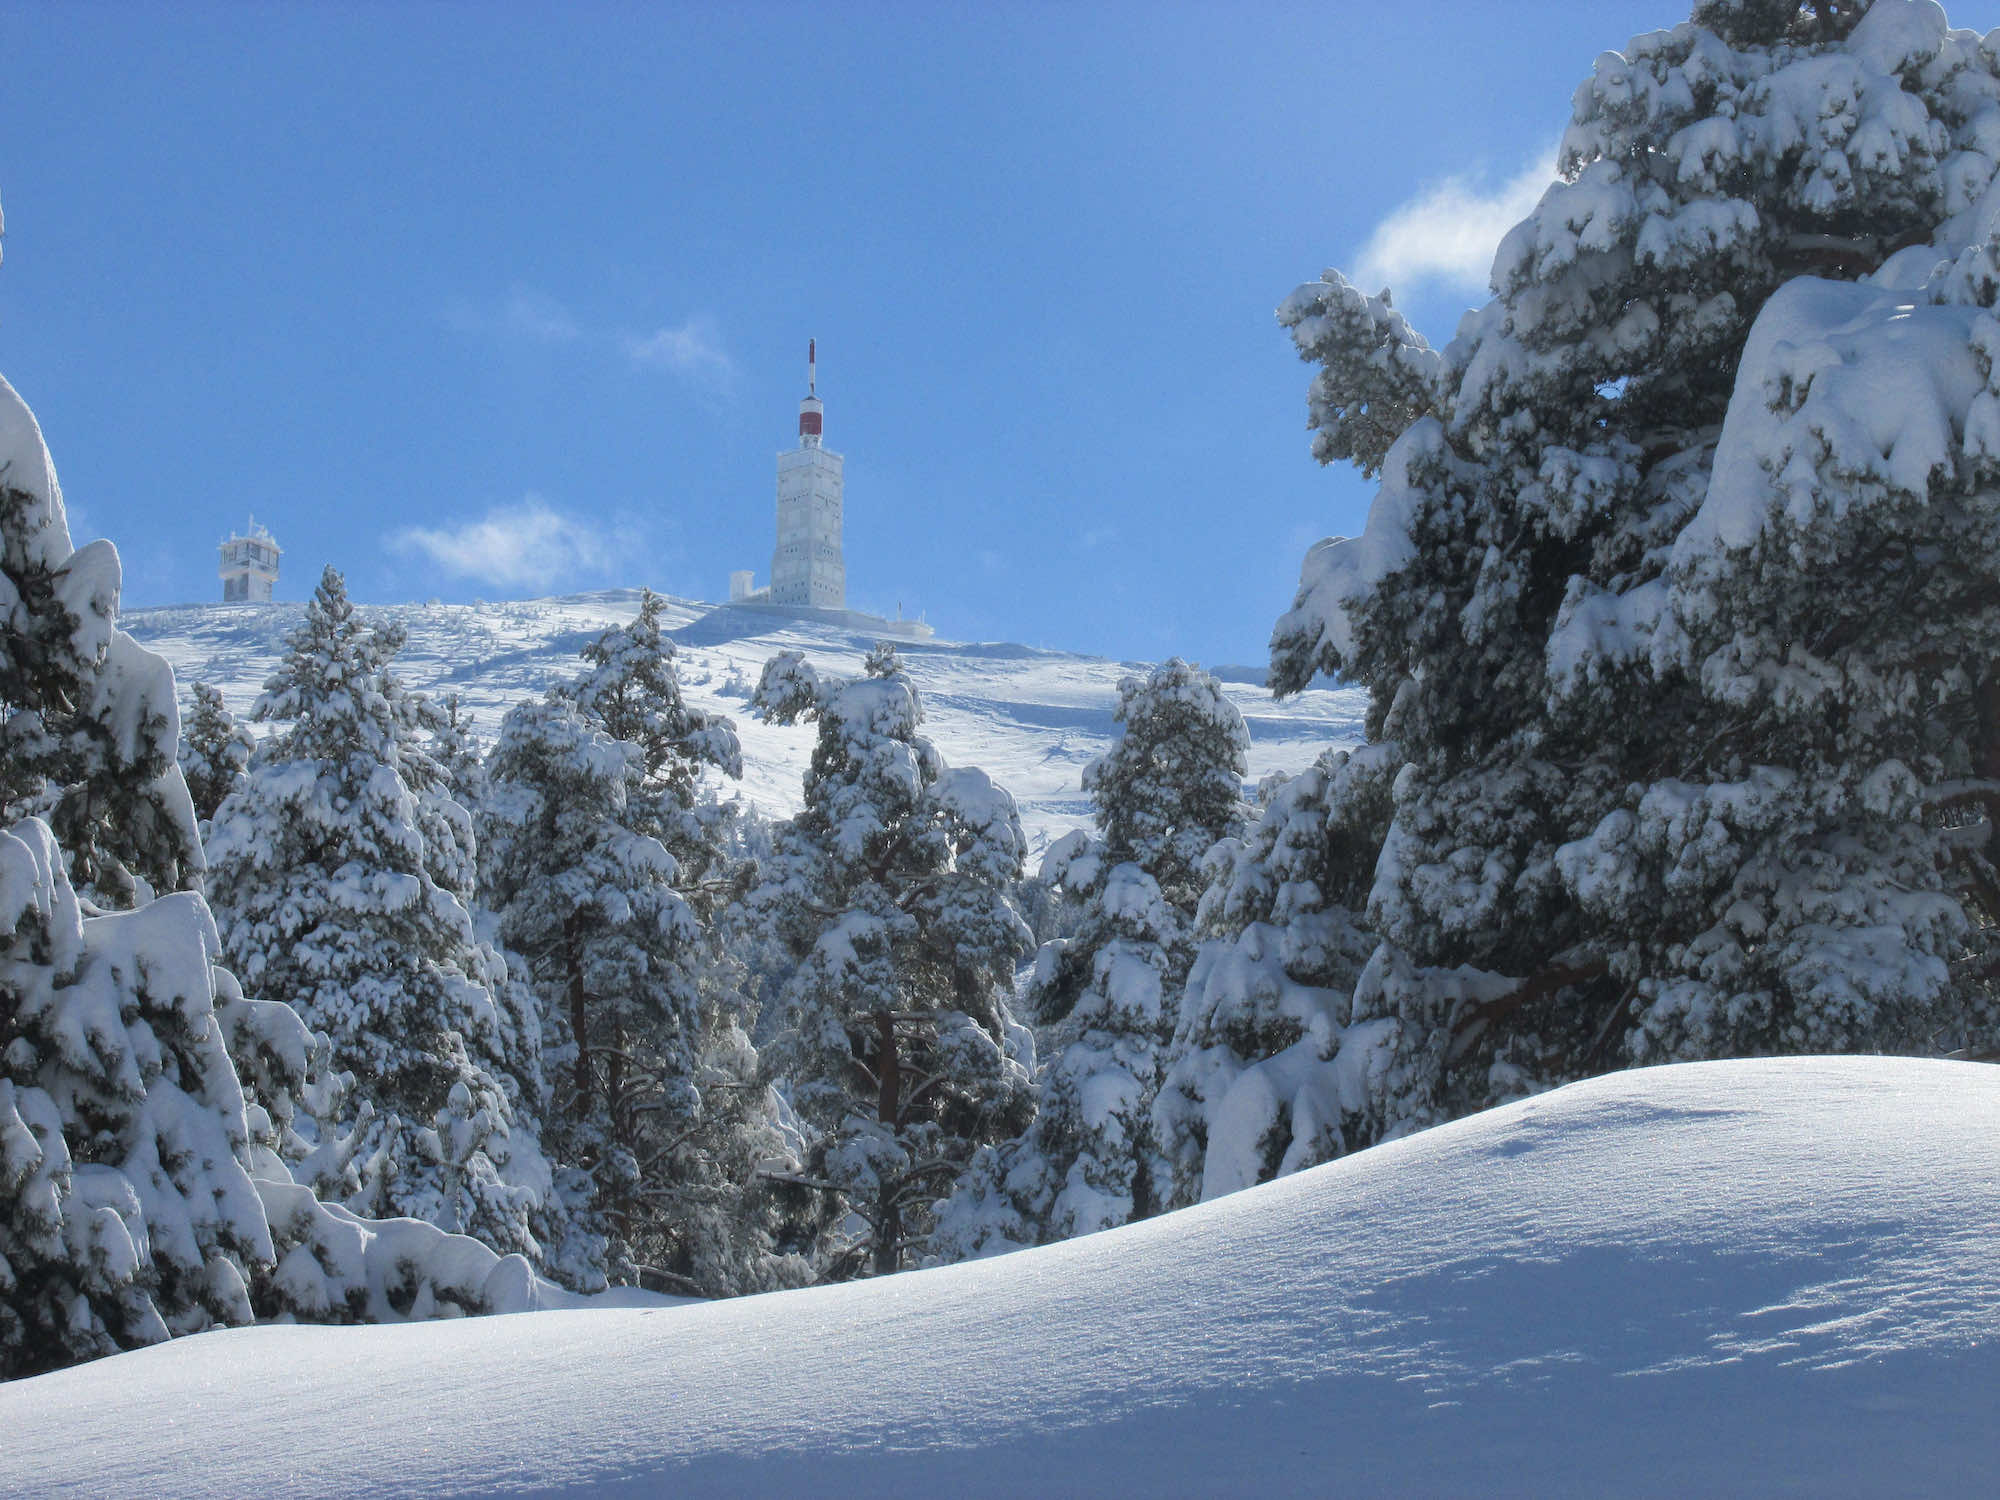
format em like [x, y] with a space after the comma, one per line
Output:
[438, 758]
[1172, 782]
[630, 688]
[1088, 1161]
[892, 890]
[214, 750]
[1104, 998]
[1259, 1084]
[452, 791]
[1675, 604]
[598, 836]
[323, 876]
[151, 1114]
[127, 1212]
[92, 730]
[143, 1193]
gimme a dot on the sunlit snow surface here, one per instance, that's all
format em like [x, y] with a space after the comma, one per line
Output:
[1031, 718]
[1729, 1278]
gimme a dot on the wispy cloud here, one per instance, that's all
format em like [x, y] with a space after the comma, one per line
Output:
[538, 316]
[524, 544]
[1447, 234]
[693, 350]
[524, 314]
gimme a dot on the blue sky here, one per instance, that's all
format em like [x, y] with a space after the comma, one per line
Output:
[479, 302]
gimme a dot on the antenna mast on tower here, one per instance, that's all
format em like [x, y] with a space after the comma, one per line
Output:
[811, 413]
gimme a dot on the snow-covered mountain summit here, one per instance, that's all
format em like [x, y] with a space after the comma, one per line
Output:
[1031, 718]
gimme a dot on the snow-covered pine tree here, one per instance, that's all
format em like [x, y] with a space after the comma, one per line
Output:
[438, 756]
[893, 890]
[455, 748]
[1104, 999]
[1089, 1159]
[1172, 782]
[1675, 602]
[126, 1208]
[1167, 790]
[88, 743]
[464, 783]
[631, 690]
[596, 837]
[322, 883]
[214, 750]
[1259, 1083]
[763, 961]
[147, 1106]
[127, 1212]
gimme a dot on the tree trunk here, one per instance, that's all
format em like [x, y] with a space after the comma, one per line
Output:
[614, 1092]
[1986, 704]
[1473, 1020]
[579, 1018]
[888, 1106]
[1986, 766]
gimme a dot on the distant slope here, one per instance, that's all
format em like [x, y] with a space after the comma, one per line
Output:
[1032, 718]
[1728, 1278]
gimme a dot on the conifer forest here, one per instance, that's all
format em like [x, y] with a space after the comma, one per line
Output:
[1619, 998]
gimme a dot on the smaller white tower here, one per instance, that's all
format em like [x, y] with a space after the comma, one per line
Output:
[249, 565]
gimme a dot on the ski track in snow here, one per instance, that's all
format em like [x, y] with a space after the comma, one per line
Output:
[1723, 1278]
[1030, 718]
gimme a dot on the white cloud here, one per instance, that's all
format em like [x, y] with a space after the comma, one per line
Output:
[693, 350]
[1447, 233]
[526, 314]
[526, 544]
[538, 317]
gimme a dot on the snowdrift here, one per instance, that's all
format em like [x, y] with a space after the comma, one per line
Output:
[1765, 1277]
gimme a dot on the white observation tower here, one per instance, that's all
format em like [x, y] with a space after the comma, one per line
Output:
[249, 565]
[807, 567]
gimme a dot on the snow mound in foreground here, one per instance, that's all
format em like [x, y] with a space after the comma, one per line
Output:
[1722, 1277]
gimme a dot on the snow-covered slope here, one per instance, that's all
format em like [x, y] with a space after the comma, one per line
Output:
[1746, 1277]
[1031, 718]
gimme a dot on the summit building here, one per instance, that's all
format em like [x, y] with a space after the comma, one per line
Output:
[806, 566]
[808, 569]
